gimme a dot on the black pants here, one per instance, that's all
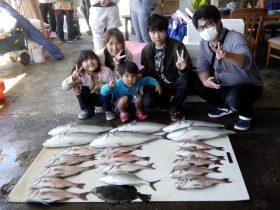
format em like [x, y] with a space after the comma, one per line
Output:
[84, 6]
[238, 98]
[60, 22]
[88, 100]
[178, 88]
[47, 10]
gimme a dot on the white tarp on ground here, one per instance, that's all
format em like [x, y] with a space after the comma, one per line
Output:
[162, 153]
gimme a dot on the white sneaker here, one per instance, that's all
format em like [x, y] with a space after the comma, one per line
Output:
[110, 116]
[53, 35]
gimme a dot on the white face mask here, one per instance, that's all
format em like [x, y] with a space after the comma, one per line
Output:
[209, 34]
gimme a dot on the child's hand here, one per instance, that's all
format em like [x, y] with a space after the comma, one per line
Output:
[118, 58]
[159, 89]
[112, 83]
[76, 74]
[95, 90]
[181, 63]
[77, 89]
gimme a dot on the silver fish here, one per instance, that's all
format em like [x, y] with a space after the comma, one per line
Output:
[136, 126]
[80, 151]
[53, 182]
[77, 128]
[121, 158]
[198, 133]
[126, 167]
[118, 150]
[123, 178]
[69, 139]
[198, 145]
[65, 171]
[189, 123]
[122, 138]
[198, 182]
[50, 195]
[198, 153]
[68, 160]
[191, 160]
[193, 171]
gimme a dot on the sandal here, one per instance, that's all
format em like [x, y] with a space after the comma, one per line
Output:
[124, 117]
[141, 115]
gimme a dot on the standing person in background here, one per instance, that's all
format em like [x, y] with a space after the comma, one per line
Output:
[46, 8]
[228, 77]
[114, 49]
[140, 11]
[103, 15]
[167, 60]
[65, 8]
[84, 6]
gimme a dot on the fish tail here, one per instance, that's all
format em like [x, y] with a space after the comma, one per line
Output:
[152, 184]
[92, 158]
[83, 195]
[219, 148]
[150, 165]
[91, 167]
[216, 169]
[144, 197]
[218, 162]
[226, 180]
[80, 185]
[138, 147]
[221, 157]
[146, 158]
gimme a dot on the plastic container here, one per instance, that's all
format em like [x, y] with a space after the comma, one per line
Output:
[2, 88]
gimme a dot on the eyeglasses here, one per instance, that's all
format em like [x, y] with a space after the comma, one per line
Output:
[206, 26]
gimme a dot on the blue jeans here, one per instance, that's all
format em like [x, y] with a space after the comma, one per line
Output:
[60, 22]
[139, 23]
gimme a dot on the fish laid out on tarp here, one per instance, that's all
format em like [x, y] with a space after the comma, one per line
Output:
[65, 171]
[197, 153]
[54, 182]
[121, 158]
[123, 178]
[126, 167]
[50, 195]
[119, 194]
[68, 160]
[198, 145]
[118, 150]
[198, 133]
[77, 128]
[191, 160]
[136, 126]
[70, 139]
[80, 151]
[122, 138]
[193, 171]
[198, 182]
[189, 123]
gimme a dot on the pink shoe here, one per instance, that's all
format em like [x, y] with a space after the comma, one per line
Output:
[141, 115]
[124, 117]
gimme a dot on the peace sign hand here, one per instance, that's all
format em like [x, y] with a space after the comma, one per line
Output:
[118, 58]
[181, 63]
[220, 53]
[112, 83]
[76, 74]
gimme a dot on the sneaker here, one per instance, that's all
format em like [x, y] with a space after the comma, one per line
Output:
[124, 117]
[243, 123]
[219, 112]
[84, 114]
[70, 41]
[141, 115]
[53, 35]
[175, 115]
[110, 115]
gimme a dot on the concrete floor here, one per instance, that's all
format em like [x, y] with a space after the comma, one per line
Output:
[37, 104]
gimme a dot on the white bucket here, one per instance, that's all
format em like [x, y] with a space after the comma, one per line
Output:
[38, 54]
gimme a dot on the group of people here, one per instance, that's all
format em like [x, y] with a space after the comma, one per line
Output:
[226, 73]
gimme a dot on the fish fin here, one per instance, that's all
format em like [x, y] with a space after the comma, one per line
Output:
[216, 169]
[152, 184]
[150, 165]
[144, 197]
[218, 162]
[219, 148]
[91, 167]
[221, 157]
[226, 180]
[138, 147]
[146, 158]
[83, 195]
[80, 185]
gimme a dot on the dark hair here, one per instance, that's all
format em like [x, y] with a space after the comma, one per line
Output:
[157, 23]
[206, 12]
[107, 36]
[128, 66]
[84, 55]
